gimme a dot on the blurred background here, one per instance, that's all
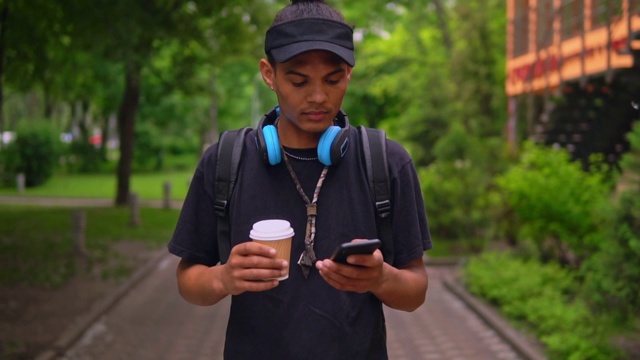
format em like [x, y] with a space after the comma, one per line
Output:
[520, 115]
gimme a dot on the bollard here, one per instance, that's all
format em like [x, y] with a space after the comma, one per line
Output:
[20, 182]
[134, 204]
[167, 195]
[79, 231]
[79, 228]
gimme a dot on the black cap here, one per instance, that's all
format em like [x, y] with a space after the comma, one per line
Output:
[291, 38]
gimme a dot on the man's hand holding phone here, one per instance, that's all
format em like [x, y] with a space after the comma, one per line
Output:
[354, 266]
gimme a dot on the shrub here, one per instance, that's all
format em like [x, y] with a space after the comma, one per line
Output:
[85, 158]
[148, 153]
[181, 145]
[456, 188]
[552, 201]
[612, 275]
[630, 161]
[542, 296]
[34, 153]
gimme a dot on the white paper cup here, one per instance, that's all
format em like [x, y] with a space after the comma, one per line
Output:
[276, 234]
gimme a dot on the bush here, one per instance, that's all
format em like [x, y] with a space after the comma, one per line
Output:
[456, 188]
[182, 145]
[34, 152]
[85, 158]
[552, 201]
[148, 153]
[157, 151]
[612, 275]
[542, 296]
[630, 161]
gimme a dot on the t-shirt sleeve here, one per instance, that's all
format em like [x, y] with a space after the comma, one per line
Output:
[409, 218]
[194, 238]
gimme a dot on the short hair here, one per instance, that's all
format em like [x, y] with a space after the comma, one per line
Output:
[302, 9]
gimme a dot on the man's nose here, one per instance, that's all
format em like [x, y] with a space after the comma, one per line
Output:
[317, 94]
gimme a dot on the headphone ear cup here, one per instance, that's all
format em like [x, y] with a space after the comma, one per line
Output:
[272, 144]
[333, 145]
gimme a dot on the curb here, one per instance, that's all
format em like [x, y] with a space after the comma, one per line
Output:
[74, 331]
[517, 341]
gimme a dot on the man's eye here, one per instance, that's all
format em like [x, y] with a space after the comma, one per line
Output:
[332, 81]
[298, 84]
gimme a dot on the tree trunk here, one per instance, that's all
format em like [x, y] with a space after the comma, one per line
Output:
[211, 136]
[105, 136]
[4, 14]
[126, 128]
[48, 101]
[444, 25]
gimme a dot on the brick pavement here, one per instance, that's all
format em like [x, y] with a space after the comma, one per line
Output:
[153, 322]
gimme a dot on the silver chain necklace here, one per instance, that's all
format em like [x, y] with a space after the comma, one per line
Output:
[300, 157]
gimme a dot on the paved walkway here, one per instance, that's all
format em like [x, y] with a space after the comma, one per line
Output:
[153, 322]
[147, 319]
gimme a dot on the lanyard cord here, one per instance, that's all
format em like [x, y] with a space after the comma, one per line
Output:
[308, 256]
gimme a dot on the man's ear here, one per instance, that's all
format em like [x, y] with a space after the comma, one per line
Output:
[349, 71]
[268, 73]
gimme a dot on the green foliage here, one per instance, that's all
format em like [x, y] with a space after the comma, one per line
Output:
[479, 74]
[456, 188]
[36, 245]
[385, 91]
[34, 153]
[84, 158]
[424, 65]
[148, 153]
[541, 296]
[612, 275]
[630, 161]
[552, 201]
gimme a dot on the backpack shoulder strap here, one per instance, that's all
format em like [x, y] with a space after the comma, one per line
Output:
[230, 147]
[374, 152]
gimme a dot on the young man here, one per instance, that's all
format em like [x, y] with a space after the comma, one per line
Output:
[324, 309]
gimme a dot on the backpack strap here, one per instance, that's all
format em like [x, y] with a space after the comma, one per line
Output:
[230, 146]
[374, 153]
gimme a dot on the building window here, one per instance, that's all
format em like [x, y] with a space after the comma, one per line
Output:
[572, 18]
[544, 26]
[603, 11]
[521, 28]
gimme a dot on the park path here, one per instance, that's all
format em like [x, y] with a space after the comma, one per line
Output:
[147, 319]
[151, 321]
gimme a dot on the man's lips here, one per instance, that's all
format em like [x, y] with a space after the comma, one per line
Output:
[316, 115]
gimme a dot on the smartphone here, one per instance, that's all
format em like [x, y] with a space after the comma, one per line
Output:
[354, 248]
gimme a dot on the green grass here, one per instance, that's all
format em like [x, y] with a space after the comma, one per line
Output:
[36, 244]
[147, 185]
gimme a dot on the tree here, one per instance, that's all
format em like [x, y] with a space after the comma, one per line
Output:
[31, 47]
[133, 33]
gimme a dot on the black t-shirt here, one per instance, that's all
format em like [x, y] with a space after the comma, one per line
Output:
[304, 318]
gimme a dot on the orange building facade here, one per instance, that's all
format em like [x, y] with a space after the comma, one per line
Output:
[573, 74]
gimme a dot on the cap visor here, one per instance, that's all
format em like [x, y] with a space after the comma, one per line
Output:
[287, 52]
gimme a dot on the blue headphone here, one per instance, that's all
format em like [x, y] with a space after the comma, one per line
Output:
[332, 147]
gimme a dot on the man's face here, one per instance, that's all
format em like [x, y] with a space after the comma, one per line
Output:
[310, 88]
